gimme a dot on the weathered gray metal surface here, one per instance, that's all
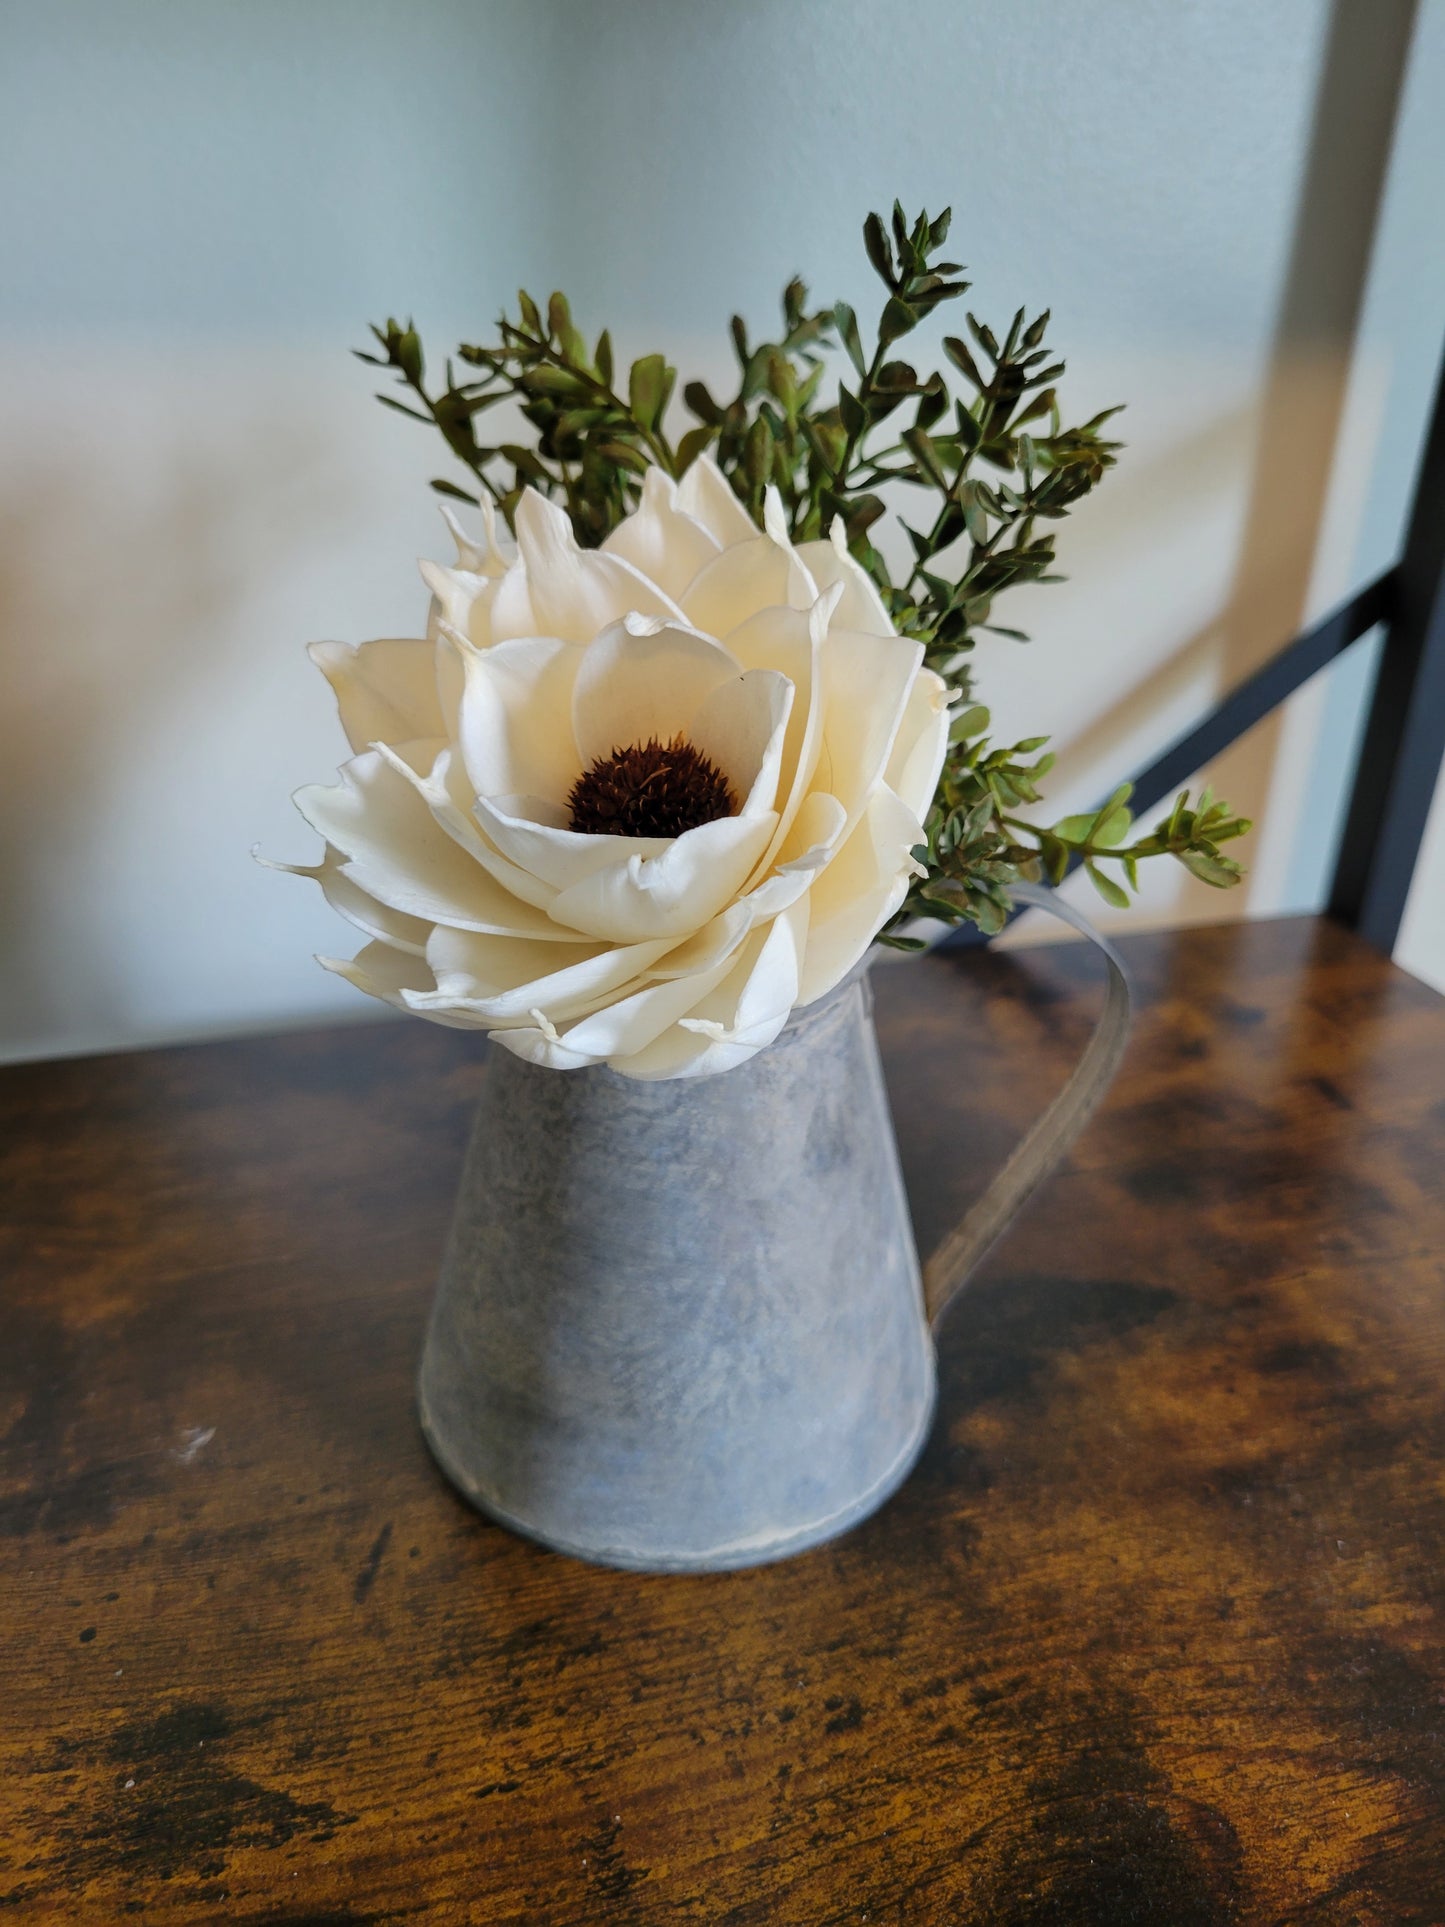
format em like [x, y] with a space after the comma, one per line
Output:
[680, 1325]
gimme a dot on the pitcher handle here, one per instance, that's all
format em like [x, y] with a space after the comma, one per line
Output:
[1043, 1148]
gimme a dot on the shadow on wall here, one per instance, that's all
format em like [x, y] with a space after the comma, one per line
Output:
[1339, 206]
[1296, 434]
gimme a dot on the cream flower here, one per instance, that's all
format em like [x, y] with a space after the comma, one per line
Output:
[738, 708]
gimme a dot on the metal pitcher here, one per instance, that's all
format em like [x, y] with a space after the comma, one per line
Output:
[683, 1325]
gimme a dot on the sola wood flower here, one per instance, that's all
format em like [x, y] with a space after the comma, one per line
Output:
[631, 805]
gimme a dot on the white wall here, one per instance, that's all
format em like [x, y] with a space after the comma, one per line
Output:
[204, 205]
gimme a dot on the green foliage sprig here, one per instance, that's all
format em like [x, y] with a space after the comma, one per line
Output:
[995, 467]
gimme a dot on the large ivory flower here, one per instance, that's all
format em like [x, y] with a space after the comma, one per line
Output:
[629, 806]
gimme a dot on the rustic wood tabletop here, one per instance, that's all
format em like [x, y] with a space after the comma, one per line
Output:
[1153, 1634]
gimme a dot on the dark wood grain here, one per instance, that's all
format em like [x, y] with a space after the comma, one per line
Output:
[1154, 1634]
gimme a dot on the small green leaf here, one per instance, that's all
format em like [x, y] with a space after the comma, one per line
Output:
[1102, 815]
[758, 453]
[971, 722]
[699, 400]
[932, 403]
[862, 512]
[781, 380]
[624, 455]
[390, 401]
[896, 320]
[1219, 871]
[847, 325]
[444, 487]
[409, 356]
[919, 441]
[547, 380]
[826, 442]
[985, 337]
[646, 387]
[875, 239]
[692, 445]
[960, 355]
[531, 319]
[1114, 828]
[1113, 893]
[1034, 334]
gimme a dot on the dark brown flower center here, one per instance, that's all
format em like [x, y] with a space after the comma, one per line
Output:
[650, 789]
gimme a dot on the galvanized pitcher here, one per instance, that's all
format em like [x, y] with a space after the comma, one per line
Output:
[682, 1325]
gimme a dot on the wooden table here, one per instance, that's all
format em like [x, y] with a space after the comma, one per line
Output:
[1154, 1634]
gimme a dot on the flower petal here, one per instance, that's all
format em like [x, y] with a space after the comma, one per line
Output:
[672, 893]
[570, 592]
[496, 551]
[817, 830]
[784, 639]
[705, 494]
[858, 892]
[741, 727]
[385, 689]
[660, 539]
[515, 722]
[861, 606]
[807, 849]
[509, 612]
[461, 601]
[388, 974]
[921, 744]
[866, 682]
[541, 1044]
[760, 573]
[641, 679]
[451, 799]
[531, 832]
[737, 1018]
[347, 897]
[399, 853]
[620, 1029]
[502, 982]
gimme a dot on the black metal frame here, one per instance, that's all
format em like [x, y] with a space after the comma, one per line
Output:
[1404, 740]
[1403, 746]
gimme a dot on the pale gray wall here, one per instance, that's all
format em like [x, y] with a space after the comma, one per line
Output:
[1134, 162]
[203, 204]
[244, 169]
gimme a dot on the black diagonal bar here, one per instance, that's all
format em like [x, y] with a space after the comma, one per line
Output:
[1404, 739]
[1247, 705]
[1279, 678]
